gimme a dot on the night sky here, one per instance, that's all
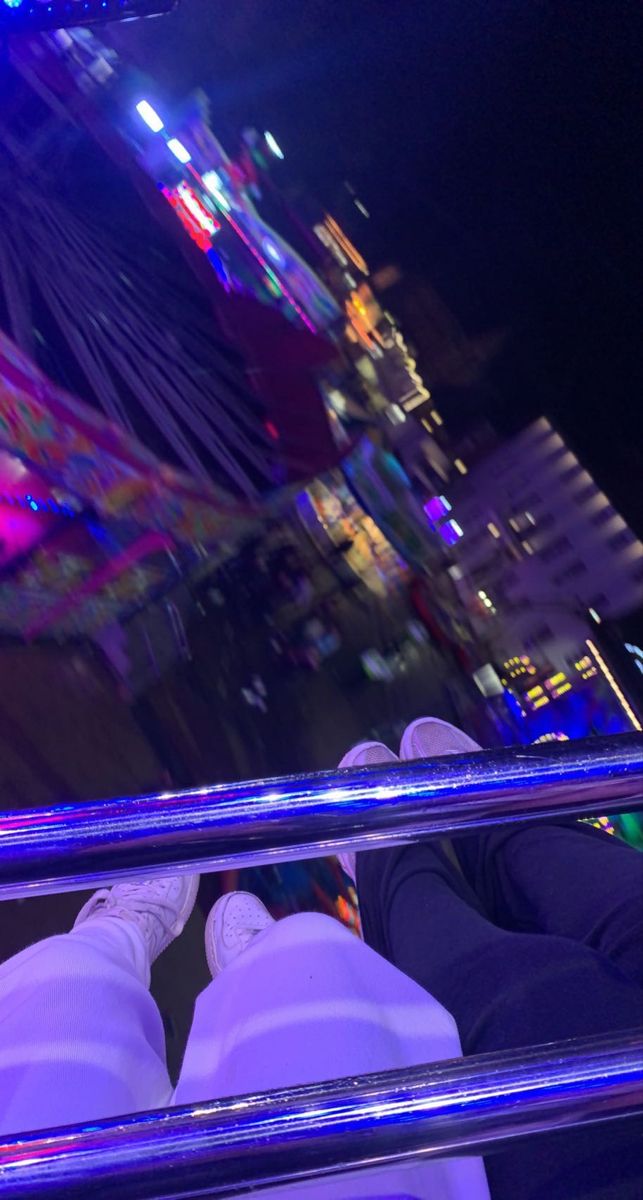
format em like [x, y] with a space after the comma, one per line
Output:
[494, 144]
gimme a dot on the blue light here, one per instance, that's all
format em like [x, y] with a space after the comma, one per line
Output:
[13, 3]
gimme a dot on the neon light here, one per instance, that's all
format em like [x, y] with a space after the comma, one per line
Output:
[179, 150]
[624, 703]
[273, 145]
[451, 532]
[213, 184]
[347, 246]
[260, 259]
[150, 116]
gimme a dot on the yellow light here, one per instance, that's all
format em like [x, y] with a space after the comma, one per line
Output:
[560, 691]
[460, 466]
[527, 547]
[535, 691]
[514, 524]
[540, 701]
[427, 425]
[493, 529]
[436, 416]
[416, 401]
[555, 679]
[624, 703]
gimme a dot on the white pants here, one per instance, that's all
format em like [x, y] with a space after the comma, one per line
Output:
[81, 1037]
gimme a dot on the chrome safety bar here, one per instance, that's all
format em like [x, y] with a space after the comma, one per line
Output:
[241, 1145]
[74, 846]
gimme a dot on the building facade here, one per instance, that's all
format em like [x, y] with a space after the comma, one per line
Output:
[543, 553]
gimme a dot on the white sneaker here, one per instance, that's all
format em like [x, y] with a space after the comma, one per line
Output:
[159, 907]
[430, 738]
[234, 921]
[366, 754]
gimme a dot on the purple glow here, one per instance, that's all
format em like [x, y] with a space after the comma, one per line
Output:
[450, 532]
[436, 507]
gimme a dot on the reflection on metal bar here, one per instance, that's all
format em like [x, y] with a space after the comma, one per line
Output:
[74, 846]
[236, 1146]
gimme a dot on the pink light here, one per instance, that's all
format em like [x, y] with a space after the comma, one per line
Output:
[436, 507]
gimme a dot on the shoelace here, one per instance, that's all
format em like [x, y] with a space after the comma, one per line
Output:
[148, 904]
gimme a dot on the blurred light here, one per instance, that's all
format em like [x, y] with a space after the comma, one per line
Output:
[554, 680]
[482, 594]
[150, 116]
[178, 150]
[540, 702]
[360, 207]
[13, 3]
[560, 691]
[624, 703]
[530, 517]
[213, 184]
[436, 507]
[534, 691]
[272, 251]
[436, 416]
[273, 145]
[514, 524]
[459, 465]
[395, 414]
[527, 547]
[594, 615]
[451, 532]
[493, 529]
[427, 425]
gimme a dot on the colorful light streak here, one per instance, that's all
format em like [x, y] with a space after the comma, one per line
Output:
[620, 696]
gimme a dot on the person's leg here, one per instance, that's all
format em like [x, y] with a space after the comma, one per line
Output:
[569, 879]
[303, 1000]
[80, 1036]
[505, 990]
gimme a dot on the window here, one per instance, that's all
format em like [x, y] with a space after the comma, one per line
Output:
[555, 454]
[571, 473]
[587, 493]
[603, 515]
[555, 549]
[573, 571]
[624, 537]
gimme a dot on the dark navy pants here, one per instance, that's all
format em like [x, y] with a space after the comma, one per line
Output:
[537, 938]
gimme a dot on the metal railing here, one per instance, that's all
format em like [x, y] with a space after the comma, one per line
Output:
[78, 846]
[238, 1146]
[234, 1147]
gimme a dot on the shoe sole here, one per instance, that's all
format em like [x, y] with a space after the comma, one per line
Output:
[351, 758]
[407, 753]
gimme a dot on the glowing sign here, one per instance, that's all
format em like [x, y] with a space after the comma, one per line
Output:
[199, 223]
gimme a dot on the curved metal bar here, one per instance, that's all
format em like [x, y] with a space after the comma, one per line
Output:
[236, 1146]
[75, 846]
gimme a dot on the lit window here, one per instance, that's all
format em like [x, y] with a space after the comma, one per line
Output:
[460, 466]
[493, 529]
